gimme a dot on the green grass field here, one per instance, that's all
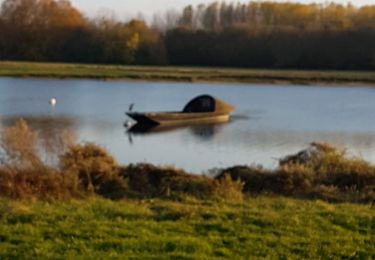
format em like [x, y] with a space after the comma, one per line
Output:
[189, 74]
[272, 227]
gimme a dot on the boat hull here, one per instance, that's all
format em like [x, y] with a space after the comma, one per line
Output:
[178, 118]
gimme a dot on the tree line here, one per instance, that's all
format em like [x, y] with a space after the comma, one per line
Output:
[256, 34]
[50, 30]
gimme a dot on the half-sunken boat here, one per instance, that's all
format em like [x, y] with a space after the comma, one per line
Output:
[200, 110]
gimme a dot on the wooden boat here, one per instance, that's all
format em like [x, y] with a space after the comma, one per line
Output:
[202, 109]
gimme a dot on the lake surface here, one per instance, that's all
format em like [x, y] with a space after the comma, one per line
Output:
[270, 121]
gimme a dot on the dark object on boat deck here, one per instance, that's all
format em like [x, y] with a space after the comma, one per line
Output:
[202, 109]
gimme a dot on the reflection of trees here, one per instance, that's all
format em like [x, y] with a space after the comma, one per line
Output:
[203, 131]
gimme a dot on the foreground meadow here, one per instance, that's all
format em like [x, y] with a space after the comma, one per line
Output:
[273, 227]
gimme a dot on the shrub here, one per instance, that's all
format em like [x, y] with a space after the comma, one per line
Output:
[96, 169]
[146, 180]
[294, 179]
[331, 166]
[320, 171]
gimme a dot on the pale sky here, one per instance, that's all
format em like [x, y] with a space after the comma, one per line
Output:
[130, 8]
[126, 9]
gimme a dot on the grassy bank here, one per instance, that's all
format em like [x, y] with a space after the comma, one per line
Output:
[185, 74]
[189, 229]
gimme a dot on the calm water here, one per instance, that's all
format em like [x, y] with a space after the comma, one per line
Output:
[270, 121]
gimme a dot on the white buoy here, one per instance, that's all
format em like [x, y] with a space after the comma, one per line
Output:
[128, 124]
[53, 101]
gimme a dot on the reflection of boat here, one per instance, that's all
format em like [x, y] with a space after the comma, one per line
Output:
[197, 129]
[202, 109]
[140, 128]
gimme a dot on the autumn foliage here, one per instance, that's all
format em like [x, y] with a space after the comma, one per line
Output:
[275, 35]
[49, 30]
[257, 34]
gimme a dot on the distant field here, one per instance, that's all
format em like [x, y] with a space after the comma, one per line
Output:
[193, 229]
[188, 74]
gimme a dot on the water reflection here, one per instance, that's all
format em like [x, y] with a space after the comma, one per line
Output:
[203, 132]
[45, 123]
[200, 130]
[269, 123]
[226, 145]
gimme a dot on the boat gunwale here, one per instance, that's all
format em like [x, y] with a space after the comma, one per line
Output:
[179, 117]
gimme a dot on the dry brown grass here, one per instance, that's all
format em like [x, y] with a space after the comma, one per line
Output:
[40, 183]
[146, 180]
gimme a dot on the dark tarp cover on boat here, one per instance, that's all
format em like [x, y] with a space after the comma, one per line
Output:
[206, 103]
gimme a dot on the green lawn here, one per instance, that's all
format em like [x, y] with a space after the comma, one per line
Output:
[193, 229]
[190, 74]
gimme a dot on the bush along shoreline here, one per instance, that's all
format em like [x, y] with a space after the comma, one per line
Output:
[83, 170]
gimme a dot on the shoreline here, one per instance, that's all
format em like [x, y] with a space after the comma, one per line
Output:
[186, 74]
